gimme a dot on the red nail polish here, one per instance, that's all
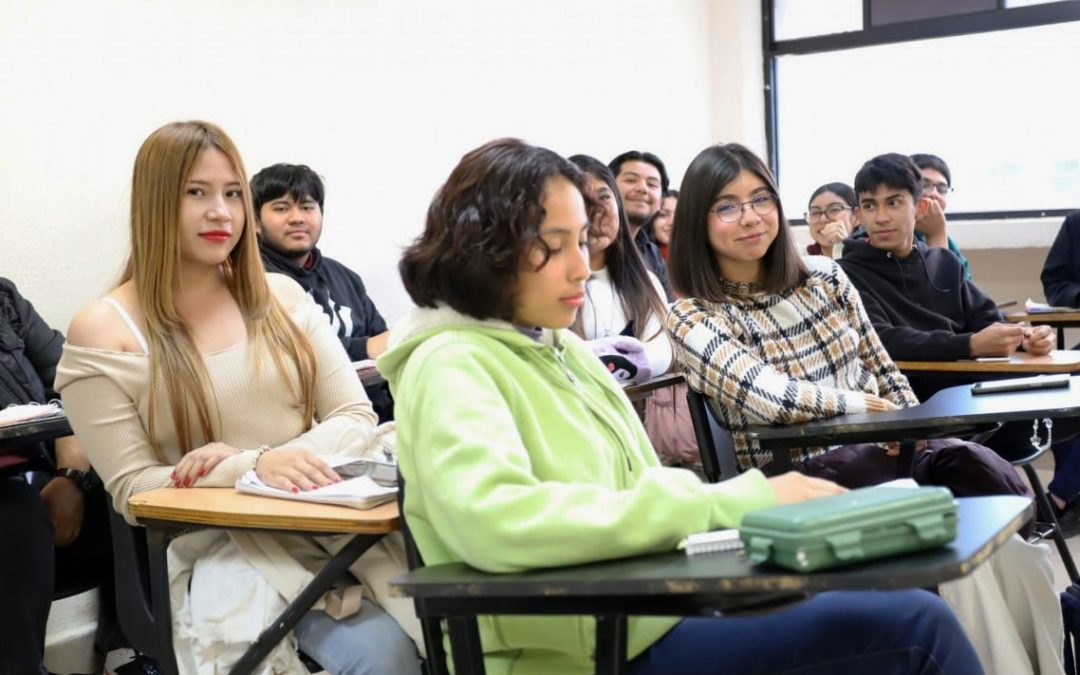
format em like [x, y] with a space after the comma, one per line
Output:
[202, 472]
[295, 489]
[187, 482]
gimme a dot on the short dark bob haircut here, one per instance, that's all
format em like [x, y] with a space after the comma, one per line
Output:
[279, 180]
[892, 170]
[480, 225]
[841, 190]
[925, 160]
[692, 263]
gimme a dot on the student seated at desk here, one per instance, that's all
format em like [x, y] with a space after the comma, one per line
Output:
[772, 338]
[54, 538]
[199, 367]
[924, 309]
[1061, 285]
[521, 452]
[623, 317]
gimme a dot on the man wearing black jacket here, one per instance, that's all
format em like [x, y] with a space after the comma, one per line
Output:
[924, 309]
[288, 200]
[917, 296]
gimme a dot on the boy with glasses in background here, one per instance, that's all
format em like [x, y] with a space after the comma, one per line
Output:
[937, 184]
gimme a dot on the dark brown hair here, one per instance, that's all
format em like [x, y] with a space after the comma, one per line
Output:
[637, 295]
[692, 263]
[479, 225]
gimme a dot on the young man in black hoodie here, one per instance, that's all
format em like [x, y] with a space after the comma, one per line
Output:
[924, 309]
[916, 295]
[288, 200]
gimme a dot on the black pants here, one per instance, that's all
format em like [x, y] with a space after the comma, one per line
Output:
[31, 568]
[967, 469]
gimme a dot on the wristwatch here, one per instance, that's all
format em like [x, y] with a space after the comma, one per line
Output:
[84, 480]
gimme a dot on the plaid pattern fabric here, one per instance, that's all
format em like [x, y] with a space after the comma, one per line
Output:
[801, 355]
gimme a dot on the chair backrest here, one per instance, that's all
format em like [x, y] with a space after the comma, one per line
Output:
[131, 571]
[714, 441]
[435, 664]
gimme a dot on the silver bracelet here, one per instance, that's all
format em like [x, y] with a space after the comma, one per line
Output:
[263, 449]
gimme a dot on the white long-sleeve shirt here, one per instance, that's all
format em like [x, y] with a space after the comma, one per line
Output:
[603, 316]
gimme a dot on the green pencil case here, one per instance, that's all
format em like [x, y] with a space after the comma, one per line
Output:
[853, 527]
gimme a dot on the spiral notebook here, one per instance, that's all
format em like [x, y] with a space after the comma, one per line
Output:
[717, 541]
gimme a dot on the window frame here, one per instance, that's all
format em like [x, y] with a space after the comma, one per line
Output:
[998, 19]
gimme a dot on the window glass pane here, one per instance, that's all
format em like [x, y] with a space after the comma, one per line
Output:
[883, 12]
[806, 18]
[994, 106]
[1025, 3]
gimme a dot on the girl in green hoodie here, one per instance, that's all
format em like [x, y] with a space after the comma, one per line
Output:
[520, 451]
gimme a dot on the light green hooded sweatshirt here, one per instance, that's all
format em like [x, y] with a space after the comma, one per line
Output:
[523, 453]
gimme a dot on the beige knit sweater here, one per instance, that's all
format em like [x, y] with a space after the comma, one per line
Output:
[106, 395]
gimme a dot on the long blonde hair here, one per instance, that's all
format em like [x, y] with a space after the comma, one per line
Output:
[162, 168]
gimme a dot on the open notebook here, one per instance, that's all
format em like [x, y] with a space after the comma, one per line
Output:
[375, 486]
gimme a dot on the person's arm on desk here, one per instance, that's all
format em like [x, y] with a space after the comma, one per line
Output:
[997, 339]
[476, 474]
[904, 343]
[1039, 340]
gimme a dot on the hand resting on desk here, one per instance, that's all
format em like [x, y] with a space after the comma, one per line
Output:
[1039, 340]
[997, 339]
[796, 487]
[294, 470]
[878, 404]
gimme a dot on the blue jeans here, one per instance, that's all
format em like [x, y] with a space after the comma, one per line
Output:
[1066, 481]
[877, 633]
[369, 642]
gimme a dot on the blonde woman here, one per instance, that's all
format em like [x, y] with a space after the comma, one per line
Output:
[198, 367]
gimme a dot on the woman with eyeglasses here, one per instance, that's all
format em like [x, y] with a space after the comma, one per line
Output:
[831, 218]
[772, 338]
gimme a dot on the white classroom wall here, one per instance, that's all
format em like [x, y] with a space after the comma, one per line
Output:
[380, 97]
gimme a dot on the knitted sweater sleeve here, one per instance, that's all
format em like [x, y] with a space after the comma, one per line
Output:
[892, 385]
[728, 370]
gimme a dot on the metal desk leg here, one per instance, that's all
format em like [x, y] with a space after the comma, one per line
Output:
[331, 572]
[610, 644]
[465, 645]
[1045, 510]
[157, 545]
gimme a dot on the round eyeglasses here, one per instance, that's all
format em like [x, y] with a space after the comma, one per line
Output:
[942, 188]
[731, 211]
[833, 211]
